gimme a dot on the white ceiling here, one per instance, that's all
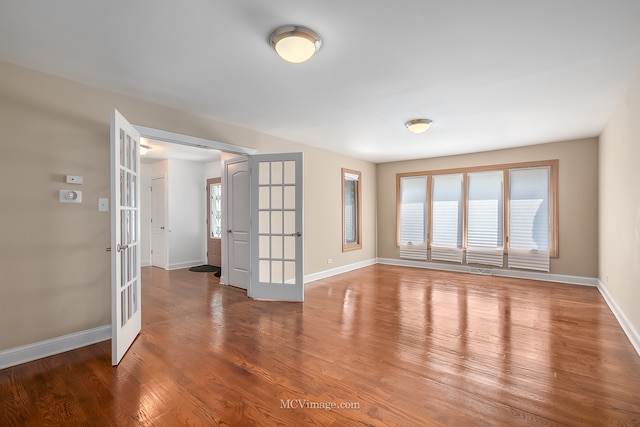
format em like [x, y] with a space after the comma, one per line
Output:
[491, 74]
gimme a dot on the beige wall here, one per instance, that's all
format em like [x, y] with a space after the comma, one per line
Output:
[578, 197]
[619, 249]
[54, 270]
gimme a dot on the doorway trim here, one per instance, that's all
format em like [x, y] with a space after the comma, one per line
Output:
[192, 141]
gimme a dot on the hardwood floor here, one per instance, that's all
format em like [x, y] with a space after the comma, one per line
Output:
[396, 346]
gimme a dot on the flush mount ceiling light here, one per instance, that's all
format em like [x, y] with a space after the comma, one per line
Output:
[418, 125]
[295, 43]
[144, 149]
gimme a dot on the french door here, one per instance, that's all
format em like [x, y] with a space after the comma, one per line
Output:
[125, 236]
[276, 227]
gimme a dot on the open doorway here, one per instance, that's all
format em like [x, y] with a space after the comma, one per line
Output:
[185, 163]
[174, 188]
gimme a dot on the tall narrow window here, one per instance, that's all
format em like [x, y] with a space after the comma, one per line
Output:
[215, 211]
[484, 218]
[413, 217]
[529, 218]
[351, 215]
[446, 222]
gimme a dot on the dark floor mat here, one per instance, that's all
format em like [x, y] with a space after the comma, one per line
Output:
[205, 269]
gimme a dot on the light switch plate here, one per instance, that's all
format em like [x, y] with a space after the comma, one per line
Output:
[103, 204]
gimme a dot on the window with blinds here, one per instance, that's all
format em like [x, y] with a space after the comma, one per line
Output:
[446, 222]
[485, 218]
[529, 218]
[477, 211]
[413, 217]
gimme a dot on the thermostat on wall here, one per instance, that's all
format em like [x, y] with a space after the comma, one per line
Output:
[70, 196]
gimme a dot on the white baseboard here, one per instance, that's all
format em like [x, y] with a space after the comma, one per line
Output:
[627, 327]
[338, 270]
[38, 350]
[519, 274]
[30, 352]
[186, 264]
[423, 264]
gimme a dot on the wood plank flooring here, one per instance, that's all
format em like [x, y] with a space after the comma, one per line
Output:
[385, 345]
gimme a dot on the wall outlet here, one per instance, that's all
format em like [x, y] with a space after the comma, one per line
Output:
[329, 260]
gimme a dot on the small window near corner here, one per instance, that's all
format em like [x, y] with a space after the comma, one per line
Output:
[351, 211]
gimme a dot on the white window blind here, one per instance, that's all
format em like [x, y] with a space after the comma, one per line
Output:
[413, 217]
[529, 218]
[484, 218]
[446, 222]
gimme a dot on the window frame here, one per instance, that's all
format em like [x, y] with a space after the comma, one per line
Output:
[553, 166]
[357, 244]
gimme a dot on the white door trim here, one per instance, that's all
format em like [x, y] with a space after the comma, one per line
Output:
[192, 141]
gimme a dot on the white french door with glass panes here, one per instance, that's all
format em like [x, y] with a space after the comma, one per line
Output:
[125, 236]
[276, 227]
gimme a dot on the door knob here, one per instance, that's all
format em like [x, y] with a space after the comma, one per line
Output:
[122, 247]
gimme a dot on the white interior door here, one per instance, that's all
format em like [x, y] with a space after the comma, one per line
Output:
[237, 222]
[276, 229]
[125, 236]
[158, 236]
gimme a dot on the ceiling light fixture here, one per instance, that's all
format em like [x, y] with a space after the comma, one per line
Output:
[144, 149]
[295, 43]
[418, 125]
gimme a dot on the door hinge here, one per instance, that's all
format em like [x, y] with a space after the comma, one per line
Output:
[151, 251]
[151, 220]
